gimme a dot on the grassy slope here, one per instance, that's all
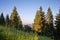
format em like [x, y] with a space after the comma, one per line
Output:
[13, 34]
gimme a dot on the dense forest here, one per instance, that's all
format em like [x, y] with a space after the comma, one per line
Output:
[44, 26]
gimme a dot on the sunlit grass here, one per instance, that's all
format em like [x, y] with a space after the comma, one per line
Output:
[13, 34]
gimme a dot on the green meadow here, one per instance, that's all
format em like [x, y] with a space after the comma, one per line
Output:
[13, 34]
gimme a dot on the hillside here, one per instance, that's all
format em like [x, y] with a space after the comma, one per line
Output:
[13, 34]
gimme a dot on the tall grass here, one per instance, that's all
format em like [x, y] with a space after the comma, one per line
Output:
[13, 34]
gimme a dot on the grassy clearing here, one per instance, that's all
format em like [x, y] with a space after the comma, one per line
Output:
[13, 34]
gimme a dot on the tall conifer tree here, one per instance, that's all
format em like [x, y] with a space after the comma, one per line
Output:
[39, 21]
[15, 19]
[49, 23]
[57, 23]
[12, 17]
[2, 22]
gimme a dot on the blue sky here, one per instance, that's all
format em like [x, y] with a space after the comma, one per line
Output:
[27, 8]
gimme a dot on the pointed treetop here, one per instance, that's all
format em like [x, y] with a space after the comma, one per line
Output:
[2, 14]
[41, 8]
[14, 8]
[49, 9]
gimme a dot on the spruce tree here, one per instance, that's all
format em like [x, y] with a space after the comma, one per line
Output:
[39, 21]
[57, 23]
[14, 18]
[2, 20]
[13, 15]
[49, 23]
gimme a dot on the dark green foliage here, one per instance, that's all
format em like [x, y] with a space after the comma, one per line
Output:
[2, 20]
[27, 28]
[15, 23]
[49, 24]
[7, 21]
[57, 23]
[20, 26]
